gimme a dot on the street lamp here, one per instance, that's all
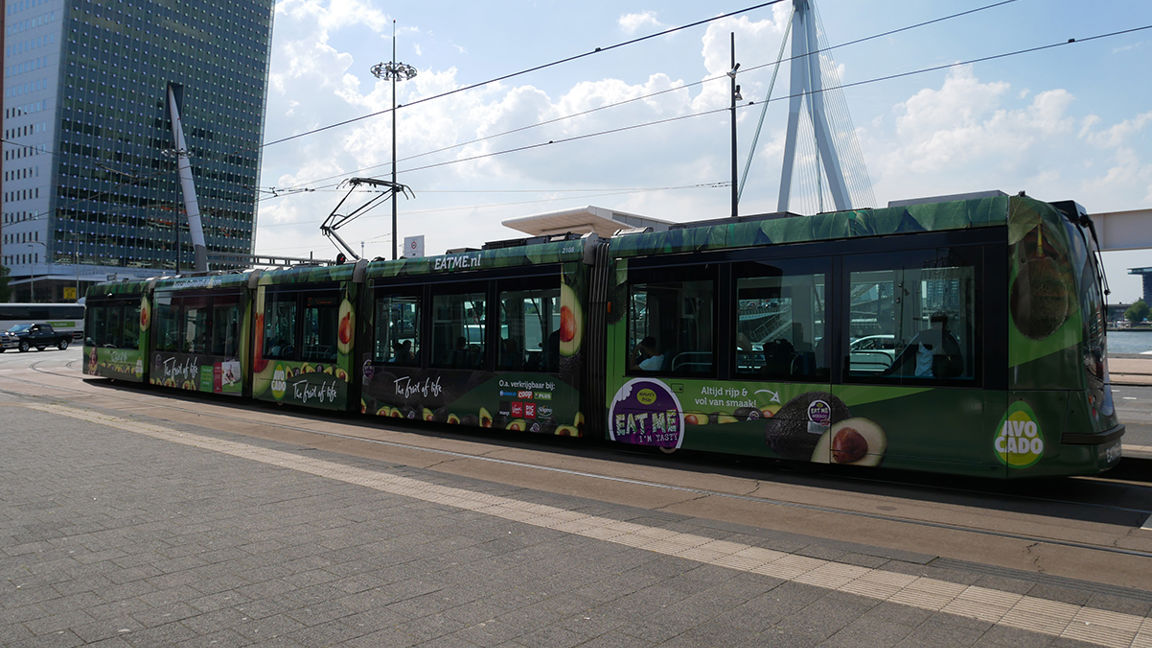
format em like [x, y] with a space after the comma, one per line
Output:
[735, 97]
[393, 71]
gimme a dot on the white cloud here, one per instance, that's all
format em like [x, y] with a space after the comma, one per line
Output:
[634, 22]
[1121, 134]
[963, 134]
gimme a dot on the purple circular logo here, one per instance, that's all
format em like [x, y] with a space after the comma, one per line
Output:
[645, 412]
[819, 412]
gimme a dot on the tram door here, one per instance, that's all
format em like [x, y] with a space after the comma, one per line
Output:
[910, 366]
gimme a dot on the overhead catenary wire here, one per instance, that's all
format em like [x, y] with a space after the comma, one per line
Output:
[888, 77]
[588, 193]
[677, 88]
[535, 68]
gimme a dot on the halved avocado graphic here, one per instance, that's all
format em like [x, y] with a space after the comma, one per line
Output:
[857, 441]
[571, 321]
[518, 425]
[346, 328]
[485, 418]
[263, 379]
[145, 315]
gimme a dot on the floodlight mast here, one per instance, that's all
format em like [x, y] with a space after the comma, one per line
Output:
[335, 221]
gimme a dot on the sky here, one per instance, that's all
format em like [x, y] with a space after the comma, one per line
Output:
[1069, 122]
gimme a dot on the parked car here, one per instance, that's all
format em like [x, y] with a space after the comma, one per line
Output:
[40, 335]
[872, 353]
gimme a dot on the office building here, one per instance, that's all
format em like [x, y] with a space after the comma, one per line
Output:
[90, 184]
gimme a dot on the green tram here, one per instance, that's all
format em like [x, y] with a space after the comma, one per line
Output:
[964, 337]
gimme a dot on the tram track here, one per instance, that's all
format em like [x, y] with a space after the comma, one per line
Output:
[864, 486]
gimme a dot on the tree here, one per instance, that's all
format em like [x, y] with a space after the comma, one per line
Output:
[5, 289]
[1137, 312]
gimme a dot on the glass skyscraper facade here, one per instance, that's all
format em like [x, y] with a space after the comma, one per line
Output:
[90, 184]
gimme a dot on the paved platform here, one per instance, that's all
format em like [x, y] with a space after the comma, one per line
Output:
[123, 532]
[1133, 370]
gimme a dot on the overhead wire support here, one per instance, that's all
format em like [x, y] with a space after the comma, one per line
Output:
[335, 221]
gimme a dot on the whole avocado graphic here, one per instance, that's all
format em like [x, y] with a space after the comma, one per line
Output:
[796, 429]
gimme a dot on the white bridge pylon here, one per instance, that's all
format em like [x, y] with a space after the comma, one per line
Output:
[806, 82]
[815, 97]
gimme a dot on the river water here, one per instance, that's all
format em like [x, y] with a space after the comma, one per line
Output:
[1130, 342]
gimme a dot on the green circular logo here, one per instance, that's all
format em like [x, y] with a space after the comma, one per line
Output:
[279, 383]
[1019, 441]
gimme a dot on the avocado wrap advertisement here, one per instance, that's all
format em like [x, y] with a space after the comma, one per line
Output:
[121, 363]
[540, 402]
[1056, 374]
[197, 372]
[293, 381]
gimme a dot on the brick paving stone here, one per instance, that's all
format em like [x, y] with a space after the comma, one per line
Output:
[58, 639]
[106, 629]
[869, 631]
[122, 540]
[111, 642]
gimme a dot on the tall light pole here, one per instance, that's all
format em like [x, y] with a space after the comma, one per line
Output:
[393, 71]
[735, 97]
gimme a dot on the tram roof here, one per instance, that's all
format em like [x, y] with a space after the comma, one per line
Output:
[507, 254]
[196, 282]
[988, 211]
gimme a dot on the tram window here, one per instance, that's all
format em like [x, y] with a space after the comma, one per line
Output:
[280, 326]
[196, 323]
[780, 325]
[530, 328]
[98, 325]
[670, 327]
[166, 319]
[397, 339]
[225, 325]
[131, 333]
[459, 334]
[321, 319]
[112, 333]
[913, 323]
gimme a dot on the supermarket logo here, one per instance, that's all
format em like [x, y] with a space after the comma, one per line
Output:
[1019, 440]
